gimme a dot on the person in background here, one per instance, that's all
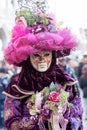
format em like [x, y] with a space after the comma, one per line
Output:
[3, 85]
[83, 61]
[73, 63]
[83, 86]
[42, 96]
[63, 63]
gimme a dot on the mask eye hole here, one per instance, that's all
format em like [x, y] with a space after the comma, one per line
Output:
[46, 55]
[36, 55]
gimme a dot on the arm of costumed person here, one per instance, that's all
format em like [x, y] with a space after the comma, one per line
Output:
[74, 110]
[12, 113]
[74, 113]
[16, 114]
[14, 118]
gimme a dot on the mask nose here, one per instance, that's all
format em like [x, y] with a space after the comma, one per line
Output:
[41, 59]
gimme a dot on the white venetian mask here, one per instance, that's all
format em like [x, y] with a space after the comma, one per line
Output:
[41, 61]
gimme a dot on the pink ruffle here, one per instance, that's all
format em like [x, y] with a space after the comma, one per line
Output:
[69, 40]
[24, 43]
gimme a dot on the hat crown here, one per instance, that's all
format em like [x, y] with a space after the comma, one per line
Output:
[33, 11]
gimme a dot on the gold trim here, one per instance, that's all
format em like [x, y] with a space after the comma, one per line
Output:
[28, 93]
[9, 95]
[71, 83]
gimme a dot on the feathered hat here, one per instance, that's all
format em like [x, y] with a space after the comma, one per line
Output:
[35, 30]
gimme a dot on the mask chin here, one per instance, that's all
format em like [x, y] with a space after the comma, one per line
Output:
[42, 67]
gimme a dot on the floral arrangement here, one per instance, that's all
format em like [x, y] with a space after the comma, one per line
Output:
[49, 105]
[31, 17]
[33, 11]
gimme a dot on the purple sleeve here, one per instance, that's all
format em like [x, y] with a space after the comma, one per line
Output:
[74, 114]
[12, 111]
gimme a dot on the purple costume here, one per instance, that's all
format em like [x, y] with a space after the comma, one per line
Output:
[36, 31]
[15, 107]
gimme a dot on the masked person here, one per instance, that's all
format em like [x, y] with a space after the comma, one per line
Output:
[42, 96]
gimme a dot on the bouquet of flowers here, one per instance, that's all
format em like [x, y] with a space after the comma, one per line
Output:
[49, 105]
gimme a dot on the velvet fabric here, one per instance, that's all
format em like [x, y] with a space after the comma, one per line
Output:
[31, 80]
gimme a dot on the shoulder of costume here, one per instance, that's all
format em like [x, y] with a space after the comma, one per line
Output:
[14, 91]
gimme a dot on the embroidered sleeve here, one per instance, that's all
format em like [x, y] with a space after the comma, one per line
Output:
[12, 111]
[13, 117]
[14, 125]
[74, 114]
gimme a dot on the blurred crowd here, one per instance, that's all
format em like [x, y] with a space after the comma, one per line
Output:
[6, 73]
[76, 68]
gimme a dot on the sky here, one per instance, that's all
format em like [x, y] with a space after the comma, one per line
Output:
[71, 12]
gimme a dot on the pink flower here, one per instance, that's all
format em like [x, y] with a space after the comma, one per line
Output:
[54, 96]
[21, 20]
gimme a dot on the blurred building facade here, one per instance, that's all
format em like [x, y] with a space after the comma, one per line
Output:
[7, 12]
